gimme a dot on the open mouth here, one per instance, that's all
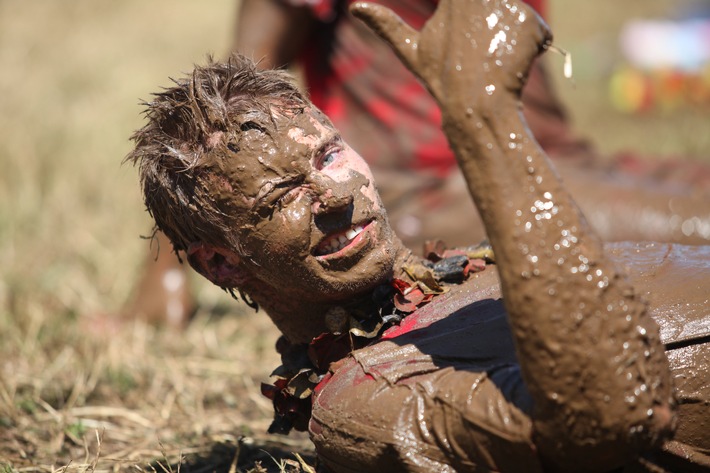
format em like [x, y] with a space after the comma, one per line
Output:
[340, 243]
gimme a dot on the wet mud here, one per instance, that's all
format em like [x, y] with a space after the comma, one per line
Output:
[452, 372]
[592, 364]
[625, 208]
[550, 357]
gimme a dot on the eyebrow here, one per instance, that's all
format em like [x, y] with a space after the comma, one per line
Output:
[253, 120]
[272, 186]
[329, 140]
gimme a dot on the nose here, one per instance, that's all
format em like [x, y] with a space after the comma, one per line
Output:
[331, 202]
[331, 196]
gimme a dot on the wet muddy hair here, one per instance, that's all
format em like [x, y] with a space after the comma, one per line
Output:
[199, 113]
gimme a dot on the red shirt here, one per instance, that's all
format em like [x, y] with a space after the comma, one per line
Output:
[381, 109]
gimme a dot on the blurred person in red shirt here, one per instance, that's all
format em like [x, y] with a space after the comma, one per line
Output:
[384, 111]
[386, 114]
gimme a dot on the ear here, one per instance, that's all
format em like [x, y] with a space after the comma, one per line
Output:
[219, 265]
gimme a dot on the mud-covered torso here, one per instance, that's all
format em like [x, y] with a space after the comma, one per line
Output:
[428, 395]
[443, 391]
[675, 279]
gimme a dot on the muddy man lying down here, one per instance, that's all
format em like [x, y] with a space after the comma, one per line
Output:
[538, 354]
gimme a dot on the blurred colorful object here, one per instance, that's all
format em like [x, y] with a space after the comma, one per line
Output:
[667, 65]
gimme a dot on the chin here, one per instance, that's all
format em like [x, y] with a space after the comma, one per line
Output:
[371, 271]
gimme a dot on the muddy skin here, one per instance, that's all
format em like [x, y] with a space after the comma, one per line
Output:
[675, 281]
[582, 334]
[289, 202]
[547, 362]
[450, 369]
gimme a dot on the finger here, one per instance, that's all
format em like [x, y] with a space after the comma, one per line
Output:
[390, 27]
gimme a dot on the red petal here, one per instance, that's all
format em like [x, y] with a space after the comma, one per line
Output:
[409, 302]
[281, 383]
[415, 296]
[327, 348]
[400, 285]
[269, 390]
[286, 403]
[412, 300]
[403, 304]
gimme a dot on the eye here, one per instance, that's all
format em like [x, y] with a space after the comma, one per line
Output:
[329, 158]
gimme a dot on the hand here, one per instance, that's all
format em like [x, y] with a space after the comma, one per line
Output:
[468, 50]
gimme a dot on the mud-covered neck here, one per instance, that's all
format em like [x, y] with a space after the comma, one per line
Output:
[299, 317]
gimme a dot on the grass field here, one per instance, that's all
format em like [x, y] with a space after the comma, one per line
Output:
[78, 397]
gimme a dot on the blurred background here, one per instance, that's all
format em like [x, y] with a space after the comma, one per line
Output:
[73, 75]
[622, 99]
[71, 217]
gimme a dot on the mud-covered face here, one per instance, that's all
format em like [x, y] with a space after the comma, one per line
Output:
[311, 222]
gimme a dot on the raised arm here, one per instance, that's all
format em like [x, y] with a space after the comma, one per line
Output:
[589, 352]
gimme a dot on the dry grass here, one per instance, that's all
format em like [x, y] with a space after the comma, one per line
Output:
[70, 221]
[80, 393]
[134, 397]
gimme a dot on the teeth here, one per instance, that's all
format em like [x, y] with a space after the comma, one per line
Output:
[339, 242]
[353, 232]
